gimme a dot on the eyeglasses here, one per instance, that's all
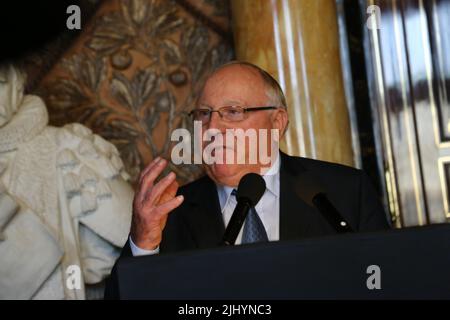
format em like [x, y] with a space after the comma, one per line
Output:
[228, 113]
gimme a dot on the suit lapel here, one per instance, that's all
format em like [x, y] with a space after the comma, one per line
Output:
[205, 217]
[296, 217]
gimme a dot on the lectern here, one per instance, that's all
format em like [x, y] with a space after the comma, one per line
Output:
[411, 263]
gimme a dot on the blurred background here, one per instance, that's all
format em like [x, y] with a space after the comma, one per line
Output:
[367, 82]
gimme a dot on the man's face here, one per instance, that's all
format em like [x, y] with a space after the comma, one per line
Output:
[237, 85]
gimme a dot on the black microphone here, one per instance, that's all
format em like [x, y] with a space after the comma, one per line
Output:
[309, 189]
[250, 190]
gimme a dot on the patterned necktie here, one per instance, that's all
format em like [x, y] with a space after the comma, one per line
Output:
[254, 230]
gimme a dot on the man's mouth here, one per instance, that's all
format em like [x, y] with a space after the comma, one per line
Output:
[221, 148]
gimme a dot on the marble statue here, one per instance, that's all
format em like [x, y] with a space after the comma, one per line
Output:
[65, 203]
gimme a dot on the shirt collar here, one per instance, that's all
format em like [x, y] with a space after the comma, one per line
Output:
[271, 177]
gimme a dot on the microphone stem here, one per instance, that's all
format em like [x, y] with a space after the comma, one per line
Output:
[331, 214]
[236, 222]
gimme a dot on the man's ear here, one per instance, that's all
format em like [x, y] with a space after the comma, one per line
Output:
[280, 120]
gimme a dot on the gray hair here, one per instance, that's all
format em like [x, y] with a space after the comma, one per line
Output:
[273, 89]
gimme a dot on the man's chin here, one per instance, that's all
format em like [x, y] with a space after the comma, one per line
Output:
[225, 174]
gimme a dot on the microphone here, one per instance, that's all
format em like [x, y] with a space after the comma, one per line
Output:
[250, 190]
[309, 189]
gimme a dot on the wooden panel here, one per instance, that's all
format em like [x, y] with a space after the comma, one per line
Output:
[410, 73]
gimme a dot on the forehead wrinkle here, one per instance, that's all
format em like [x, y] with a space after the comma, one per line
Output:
[234, 102]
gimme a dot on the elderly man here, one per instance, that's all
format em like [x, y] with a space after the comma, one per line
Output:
[241, 95]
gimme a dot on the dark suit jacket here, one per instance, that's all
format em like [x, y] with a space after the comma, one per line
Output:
[198, 223]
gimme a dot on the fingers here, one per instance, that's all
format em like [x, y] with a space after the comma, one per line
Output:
[159, 188]
[172, 189]
[141, 192]
[170, 205]
[152, 174]
[148, 168]
[149, 178]
[169, 193]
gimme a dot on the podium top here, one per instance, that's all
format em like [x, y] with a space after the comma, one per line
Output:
[410, 263]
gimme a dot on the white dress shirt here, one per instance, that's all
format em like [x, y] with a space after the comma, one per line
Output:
[268, 208]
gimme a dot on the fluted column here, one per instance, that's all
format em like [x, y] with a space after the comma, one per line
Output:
[297, 42]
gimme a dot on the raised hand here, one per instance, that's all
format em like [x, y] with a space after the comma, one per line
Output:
[152, 204]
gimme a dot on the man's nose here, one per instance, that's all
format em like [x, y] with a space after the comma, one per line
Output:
[215, 122]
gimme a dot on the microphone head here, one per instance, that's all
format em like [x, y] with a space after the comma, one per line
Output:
[251, 188]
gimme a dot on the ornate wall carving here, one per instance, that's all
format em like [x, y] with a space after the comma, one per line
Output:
[135, 71]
